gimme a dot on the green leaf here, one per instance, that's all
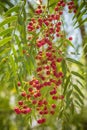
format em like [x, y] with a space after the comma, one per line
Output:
[3, 5]
[13, 66]
[78, 90]
[67, 117]
[77, 74]
[11, 10]
[5, 32]
[78, 97]
[74, 61]
[30, 6]
[54, 3]
[69, 94]
[81, 14]
[5, 40]
[68, 41]
[85, 20]
[8, 20]
[69, 98]
[9, 3]
[85, 46]
[79, 9]
[66, 84]
[4, 51]
[77, 103]
[64, 67]
[68, 102]
[80, 83]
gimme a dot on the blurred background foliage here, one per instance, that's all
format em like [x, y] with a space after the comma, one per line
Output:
[14, 17]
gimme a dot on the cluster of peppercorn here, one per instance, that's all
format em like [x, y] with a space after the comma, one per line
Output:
[44, 91]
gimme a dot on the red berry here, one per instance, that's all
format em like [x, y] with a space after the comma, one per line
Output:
[17, 110]
[60, 74]
[56, 9]
[40, 103]
[63, 4]
[34, 102]
[20, 103]
[47, 67]
[45, 112]
[70, 38]
[54, 97]
[52, 112]
[39, 69]
[41, 113]
[23, 94]
[59, 4]
[48, 72]
[30, 89]
[60, 12]
[43, 120]
[69, 7]
[61, 97]
[45, 102]
[59, 23]
[39, 7]
[74, 11]
[59, 59]
[53, 105]
[24, 51]
[28, 110]
[39, 121]
[19, 84]
[28, 96]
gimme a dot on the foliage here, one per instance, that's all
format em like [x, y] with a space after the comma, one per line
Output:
[18, 51]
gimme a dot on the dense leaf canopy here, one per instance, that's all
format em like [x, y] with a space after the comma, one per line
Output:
[43, 64]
